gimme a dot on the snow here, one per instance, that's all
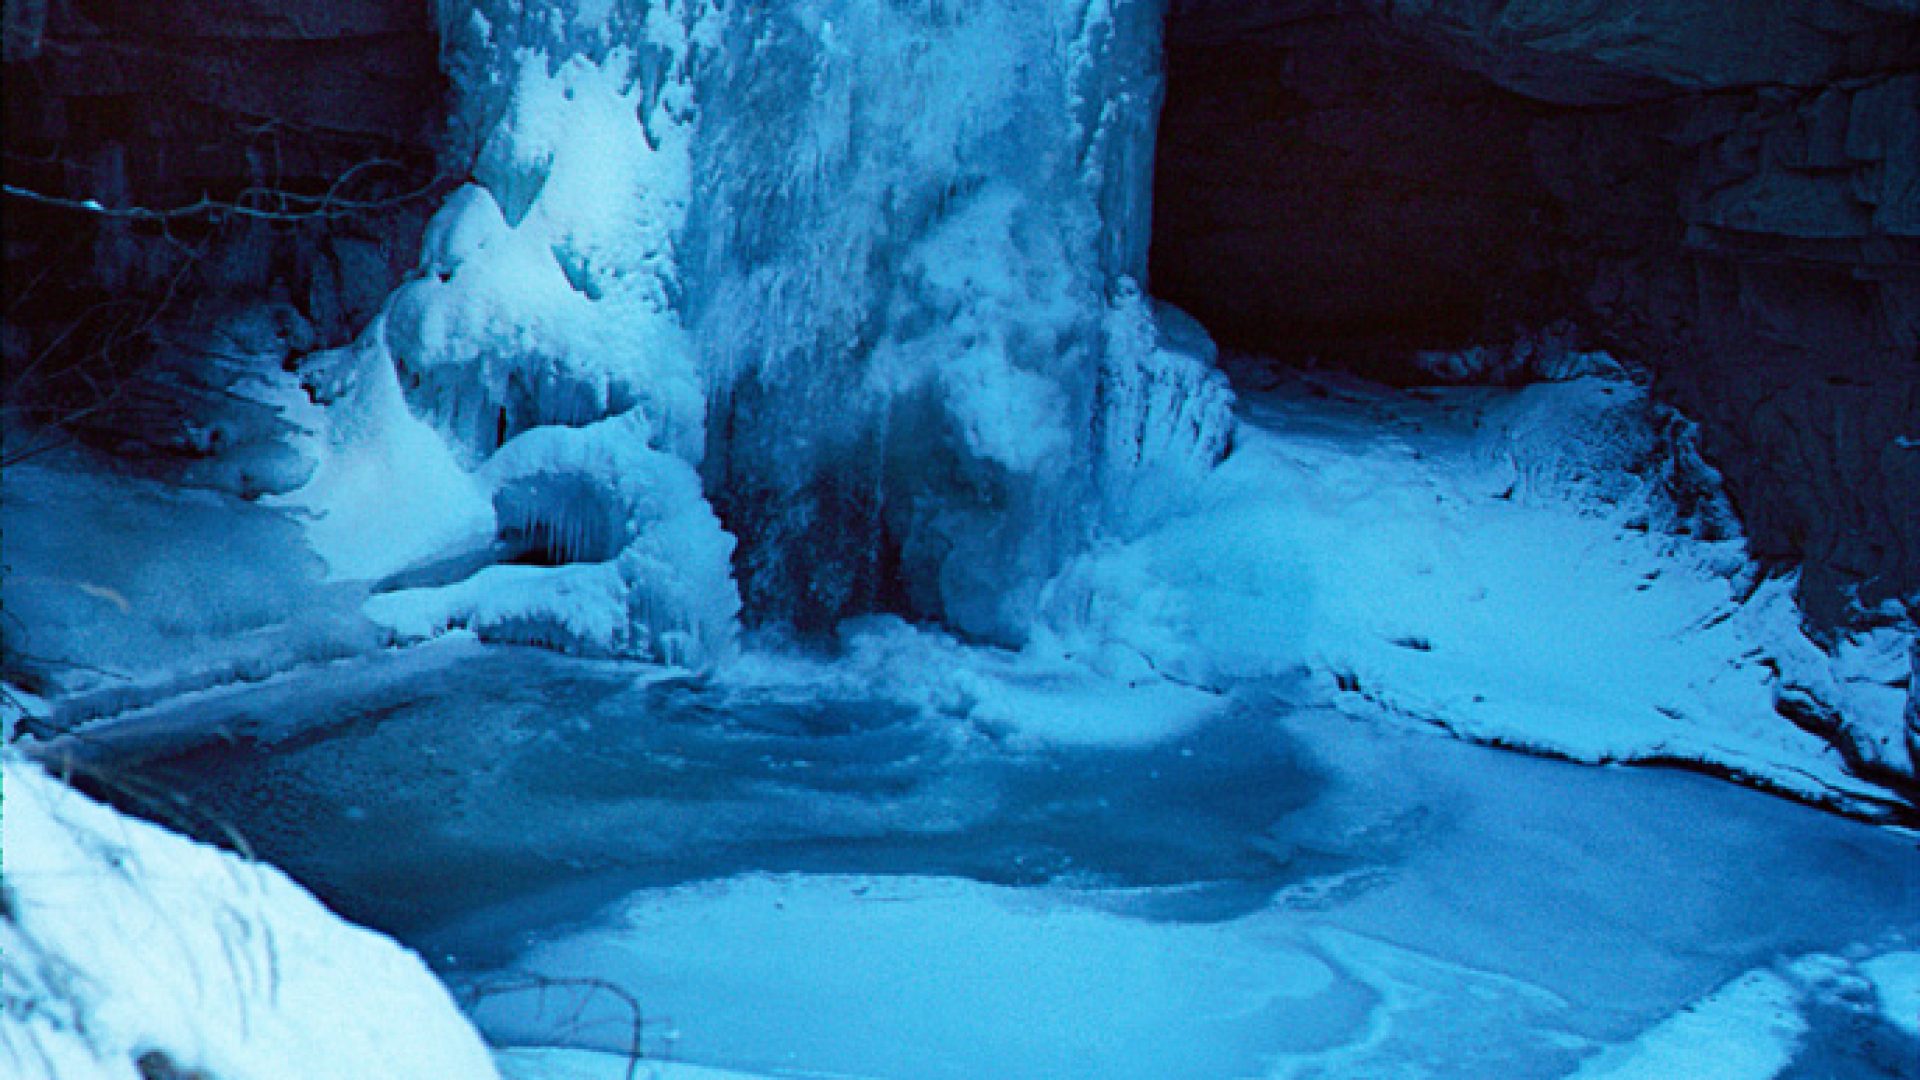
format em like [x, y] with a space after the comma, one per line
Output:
[1860, 677]
[641, 568]
[124, 943]
[120, 591]
[1896, 981]
[1747, 1030]
[581, 607]
[1158, 792]
[1515, 566]
[388, 491]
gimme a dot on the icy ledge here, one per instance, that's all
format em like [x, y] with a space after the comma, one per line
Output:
[129, 952]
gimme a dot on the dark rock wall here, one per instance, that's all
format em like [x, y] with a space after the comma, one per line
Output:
[291, 145]
[1728, 194]
[1306, 199]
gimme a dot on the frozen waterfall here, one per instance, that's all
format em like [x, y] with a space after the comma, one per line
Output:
[852, 283]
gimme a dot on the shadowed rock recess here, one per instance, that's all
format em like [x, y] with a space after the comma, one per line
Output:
[1725, 194]
[277, 159]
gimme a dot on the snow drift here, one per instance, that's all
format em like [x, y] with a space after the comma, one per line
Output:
[130, 952]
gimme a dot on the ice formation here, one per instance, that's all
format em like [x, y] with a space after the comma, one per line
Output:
[863, 274]
[918, 219]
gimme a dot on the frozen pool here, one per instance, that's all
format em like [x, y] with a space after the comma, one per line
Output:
[807, 885]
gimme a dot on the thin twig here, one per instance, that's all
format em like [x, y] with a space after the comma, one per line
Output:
[328, 205]
[114, 337]
[522, 983]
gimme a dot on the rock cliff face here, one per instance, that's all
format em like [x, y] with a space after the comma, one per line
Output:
[1728, 194]
[277, 145]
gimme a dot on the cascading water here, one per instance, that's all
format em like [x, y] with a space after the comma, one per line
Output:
[861, 276]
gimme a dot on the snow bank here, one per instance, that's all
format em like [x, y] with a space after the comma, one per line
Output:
[128, 950]
[1550, 567]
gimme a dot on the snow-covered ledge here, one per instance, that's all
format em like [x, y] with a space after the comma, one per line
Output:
[129, 952]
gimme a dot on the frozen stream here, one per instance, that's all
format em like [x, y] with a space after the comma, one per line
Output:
[845, 887]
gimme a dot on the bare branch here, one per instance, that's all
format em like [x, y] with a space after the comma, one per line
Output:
[311, 207]
[520, 983]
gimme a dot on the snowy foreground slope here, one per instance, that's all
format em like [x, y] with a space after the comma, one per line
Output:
[128, 951]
